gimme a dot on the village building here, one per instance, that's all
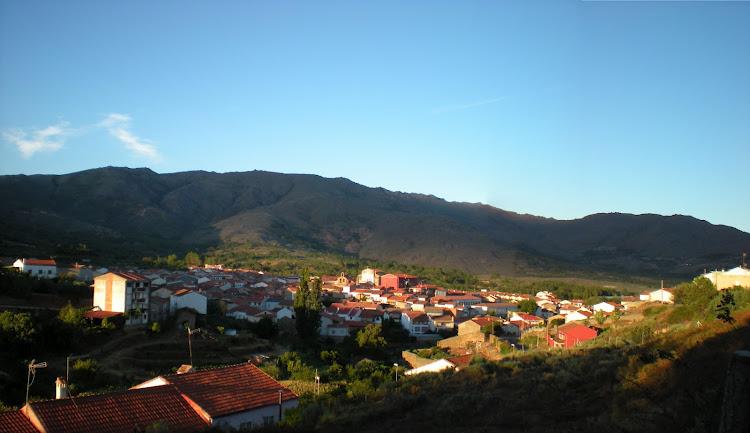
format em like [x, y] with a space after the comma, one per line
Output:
[736, 277]
[455, 364]
[37, 268]
[578, 315]
[606, 307]
[570, 335]
[663, 295]
[476, 324]
[526, 318]
[186, 298]
[124, 292]
[398, 281]
[415, 322]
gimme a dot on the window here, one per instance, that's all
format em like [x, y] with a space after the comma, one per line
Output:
[268, 420]
[246, 425]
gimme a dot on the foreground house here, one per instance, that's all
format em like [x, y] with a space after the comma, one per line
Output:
[238, 396]
[37, 268]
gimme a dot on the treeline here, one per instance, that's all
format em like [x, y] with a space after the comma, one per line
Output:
[20, 285]
[41, 336]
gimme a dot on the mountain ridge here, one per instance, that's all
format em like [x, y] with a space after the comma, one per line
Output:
[150, 212]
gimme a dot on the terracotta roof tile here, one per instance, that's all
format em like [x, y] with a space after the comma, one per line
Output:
[228, 390]
[15, 422]
[119, 412]
[39, 262]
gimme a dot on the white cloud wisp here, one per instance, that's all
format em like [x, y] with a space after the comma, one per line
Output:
[118, 125]
[47, 139]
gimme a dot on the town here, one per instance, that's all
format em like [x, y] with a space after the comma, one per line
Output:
[440, 330]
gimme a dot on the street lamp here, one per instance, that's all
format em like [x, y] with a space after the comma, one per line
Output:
[396, 369]
[33, 365]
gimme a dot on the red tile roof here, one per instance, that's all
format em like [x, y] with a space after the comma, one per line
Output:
[119, 412]
[130, 276]
[15, 422]
[486, 320]
[227, 390]
[101, 314]
[461, 361]
[39, 262]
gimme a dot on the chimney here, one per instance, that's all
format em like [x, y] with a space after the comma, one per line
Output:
[61, 389]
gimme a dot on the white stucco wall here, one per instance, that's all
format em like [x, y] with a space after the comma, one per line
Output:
[255, 416]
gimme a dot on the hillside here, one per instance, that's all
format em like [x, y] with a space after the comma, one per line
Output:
[123, 212]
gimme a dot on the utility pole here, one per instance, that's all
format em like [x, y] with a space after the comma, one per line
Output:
[317, 382]
[33, 365]
[190, 341]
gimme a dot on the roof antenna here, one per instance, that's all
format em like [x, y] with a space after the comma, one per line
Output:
[33, 365]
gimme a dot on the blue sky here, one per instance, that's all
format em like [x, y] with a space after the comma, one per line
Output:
[559, 109]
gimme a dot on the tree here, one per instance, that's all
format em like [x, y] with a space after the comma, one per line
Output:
[17, 327]
[192, 259]
[300, 304]
[600, 318]
[307, 306]
[527, 306]
[369, 338]
[314, 306]
[697, 293]
[725, 307]
[71, 315]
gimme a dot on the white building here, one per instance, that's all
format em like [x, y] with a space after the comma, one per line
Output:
[736, 277]
[604, 307]
[186, 298]
[37, 268]
[124, 292]
[665, 296]
[416, 322]
[578, 315]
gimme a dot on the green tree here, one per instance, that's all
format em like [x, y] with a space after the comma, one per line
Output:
[192, 259]
[16, 327]
[369, 338]
[527, 306]
[314, 306]
[697, 293]
[600, 318]
[300, 304]
[71, 315]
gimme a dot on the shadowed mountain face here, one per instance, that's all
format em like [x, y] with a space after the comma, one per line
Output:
[139, 212]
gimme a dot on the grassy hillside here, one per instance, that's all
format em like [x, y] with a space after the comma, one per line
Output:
[642, 377]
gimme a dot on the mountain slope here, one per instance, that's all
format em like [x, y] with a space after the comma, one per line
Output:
[139, 212]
